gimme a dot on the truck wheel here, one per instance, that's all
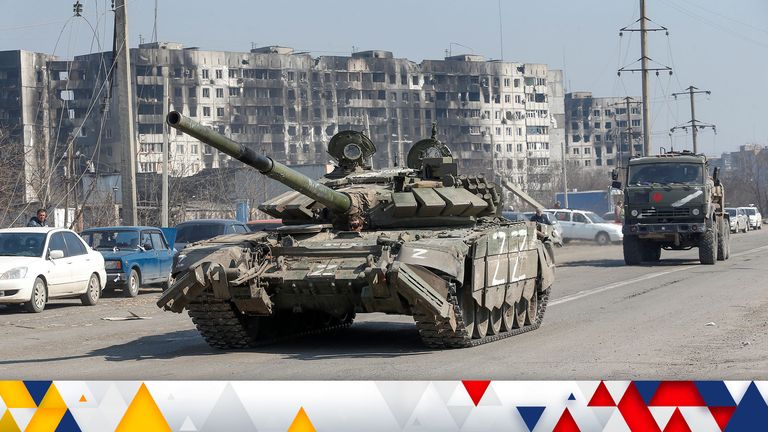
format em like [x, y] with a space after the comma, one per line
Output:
[632, 253]
[723, 243]
[708, 246]
[651, 252]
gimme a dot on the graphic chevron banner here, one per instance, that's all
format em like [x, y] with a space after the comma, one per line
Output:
[306, 406]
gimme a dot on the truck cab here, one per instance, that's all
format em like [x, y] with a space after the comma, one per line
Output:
[671, 203]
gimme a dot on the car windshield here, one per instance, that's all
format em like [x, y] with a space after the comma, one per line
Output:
[749, 211]
[665, 173]
[731, 212]
[195, 232]
[112, 239]
[594, 217]
[22, 244]
[546, 218]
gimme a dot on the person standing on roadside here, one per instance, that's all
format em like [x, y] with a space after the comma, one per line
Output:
[39, 219]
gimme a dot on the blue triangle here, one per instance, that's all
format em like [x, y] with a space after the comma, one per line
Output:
[750, 414]
[647, 389]
[531, 415]
[715, 393]
[37, 389]
[571, 397]
[68, 423]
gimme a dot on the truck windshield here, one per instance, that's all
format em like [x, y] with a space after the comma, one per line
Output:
[665, 173]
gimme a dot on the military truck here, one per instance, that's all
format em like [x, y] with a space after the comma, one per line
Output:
[417, 240]
[671, 203]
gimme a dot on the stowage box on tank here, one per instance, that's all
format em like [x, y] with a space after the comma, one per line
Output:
[419, 240]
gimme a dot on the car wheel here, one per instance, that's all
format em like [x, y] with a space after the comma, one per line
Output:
[132, 285]
[39, 298]
[93, 291]
[602, 238]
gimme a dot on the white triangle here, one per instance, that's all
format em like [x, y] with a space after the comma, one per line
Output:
[699, 419]
[737, 389]
[98, 389]
[72, 391]
[603, 414]
[762, 387]
[662, 414]
[170, 397]
[2, 407]
[22, 416]
[460, 414]
[402, 397]
[490, 398]
[616, 423]
[617, 389]
[228, 413]
[460, 397]
[128, 389]
[445, 389]
[416, 422]
[188, 426]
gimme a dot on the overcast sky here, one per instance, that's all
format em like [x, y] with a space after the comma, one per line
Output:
[721, 46]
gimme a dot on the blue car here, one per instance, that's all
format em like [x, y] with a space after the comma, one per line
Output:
[133, 256]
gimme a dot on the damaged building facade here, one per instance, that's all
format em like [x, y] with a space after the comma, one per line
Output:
[600, 132]
[503, 119]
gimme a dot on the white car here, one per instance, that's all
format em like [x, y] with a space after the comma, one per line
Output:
[586, 225]
[738, 219]
[754, 216]
[37, 264]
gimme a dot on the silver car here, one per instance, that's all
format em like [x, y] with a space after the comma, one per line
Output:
[754, 218]
[586, 225]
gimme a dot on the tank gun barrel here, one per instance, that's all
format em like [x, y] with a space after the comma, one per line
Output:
[333, 200]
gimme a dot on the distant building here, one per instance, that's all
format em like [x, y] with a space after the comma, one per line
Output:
[597, 130]
[503, 119]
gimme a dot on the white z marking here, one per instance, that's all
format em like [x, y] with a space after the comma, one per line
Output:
[418, 253]
[685, 200]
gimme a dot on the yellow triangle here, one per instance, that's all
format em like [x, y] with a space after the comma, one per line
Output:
[53, 399]
[83, 399]
[301, 423]
[143, 414]
[15, 395]
[45, 419]
[8, 424]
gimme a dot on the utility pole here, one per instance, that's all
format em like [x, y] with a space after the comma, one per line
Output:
[565, 172]
[628, 102]
[644, 69]
[694, 124]
[164, 193]
[124, 94]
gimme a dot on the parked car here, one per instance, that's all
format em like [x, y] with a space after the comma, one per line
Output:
[133, 256]
[549, 219]
[738, 219]
[38, 264]
[586, 225]
[754, 217]
[264, 224]
[612, 217]
[203, 229]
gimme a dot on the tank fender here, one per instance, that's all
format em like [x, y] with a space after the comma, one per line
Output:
[422, 288]
[447, 258]
[546, 267]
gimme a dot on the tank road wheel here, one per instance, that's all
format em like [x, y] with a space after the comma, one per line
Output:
[533, 308]
[708, 246]
[468, 309]
[521, 308]
[496, 321]
[482, 321]
[508, 317]
[632, 253]
[723, 241]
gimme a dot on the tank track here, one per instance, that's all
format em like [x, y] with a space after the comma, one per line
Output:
[438, 333]
[223, 327]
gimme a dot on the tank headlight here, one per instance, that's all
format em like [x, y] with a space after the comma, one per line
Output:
[695, 212]
[634, 213]
[352, 151]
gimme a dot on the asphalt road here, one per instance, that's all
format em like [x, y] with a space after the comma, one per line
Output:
[605, 320]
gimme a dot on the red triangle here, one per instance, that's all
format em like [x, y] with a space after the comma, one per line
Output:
[677, 423]
[722, 415]
[635, 412]
[602, 397]
[566, 423]
[476, 389]
[677, 393]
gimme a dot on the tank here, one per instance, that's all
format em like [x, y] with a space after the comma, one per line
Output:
[419, 240]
